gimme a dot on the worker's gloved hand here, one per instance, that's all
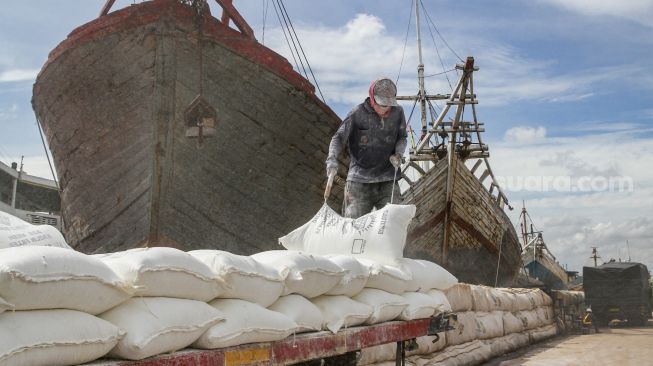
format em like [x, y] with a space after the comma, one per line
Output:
[395, 160]
[331, 171]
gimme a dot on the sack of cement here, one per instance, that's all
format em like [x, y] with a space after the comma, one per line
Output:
[464, 329]
[512, 324]
[341, 311]
[243, 277]
[427, 275]
[502, 345]
[379, 235]
[15, 232]
[386, 277]
[440, 300]
[246, 322]
[304, 313]
[164, 272]
[37, 277]
[460, 297]
[489, 325]
[543, 333]
[419, 306]
[156, 325]
[386, 306]
[54, 337]
[355, 277]
[304, 274]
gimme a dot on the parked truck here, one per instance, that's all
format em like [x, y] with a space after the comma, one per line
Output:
[618, 290]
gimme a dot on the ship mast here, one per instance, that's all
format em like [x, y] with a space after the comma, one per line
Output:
[420, 72]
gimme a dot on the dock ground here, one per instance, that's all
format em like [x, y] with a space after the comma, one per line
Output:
[615, 345]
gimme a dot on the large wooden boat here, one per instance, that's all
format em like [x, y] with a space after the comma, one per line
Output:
[460, 220]
[169, 127]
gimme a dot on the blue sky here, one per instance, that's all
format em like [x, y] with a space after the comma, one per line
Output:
[565, 90]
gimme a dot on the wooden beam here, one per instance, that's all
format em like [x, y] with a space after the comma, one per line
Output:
[485, 174]
[476, 165]
[107, 6]
[233, 14]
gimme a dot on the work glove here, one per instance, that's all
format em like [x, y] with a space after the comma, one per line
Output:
[395, 160]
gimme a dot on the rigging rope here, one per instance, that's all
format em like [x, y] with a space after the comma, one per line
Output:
[285, 36]
[437, 50]
[54, 177]
[292, 39]
[266, 6]
[438, 32]
[403, 53]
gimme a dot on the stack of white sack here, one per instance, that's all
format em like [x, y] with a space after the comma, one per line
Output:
[490, 322]
[53, 295]
[15, 232]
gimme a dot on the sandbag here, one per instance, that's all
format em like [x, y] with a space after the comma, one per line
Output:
[460, 297]
[164, 272]
[542, 333]
[379, 235]
[507, 299]
[489, 325]
[512, 324]
[544, 315]
[425, 344]
[304, 274]
[502, 345]
[38, 277]
[15, 232]
[246, 322]
[341, 311]
[387, 278]
[469, 353]
[464, 329]
[386, 306]
[528, 318]
[304, 313]
[419, 306]
[355, 277]
[379, 353]
[156, 325]
[54, 337]
[243, 277]
[426, 275]
[440, 300]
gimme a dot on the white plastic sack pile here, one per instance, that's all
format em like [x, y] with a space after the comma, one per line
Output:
[386, 306]
[243, 277]
[164, 272]
[304, 313]
[54, 337]
[387, 278]
[379, 235]
[419, 306]
[305, 274]
[440, 300]
[246, 322]
[427, 275]
[38, 277]
[355, 278]
[341, 311]
[15, 232]
[156, 325]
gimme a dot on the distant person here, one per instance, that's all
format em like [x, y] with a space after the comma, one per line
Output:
[588, 320]
[375, 132]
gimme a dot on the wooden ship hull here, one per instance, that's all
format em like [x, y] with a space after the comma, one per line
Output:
[136, 170]
[480, 234]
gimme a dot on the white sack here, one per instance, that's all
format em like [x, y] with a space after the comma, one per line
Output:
[246, 322]
[419, 306]
[387, 278]
[489, 325]
[528, 318]
[304, 274]
[512, 324]
[5, 306]
[379, 235]
[355, 278]
[15, 232]
[341, 311]
[304, 313]
[37, 277]
[543, 333]
[509, 343]
[386, 306]
[465, 329]
[427, 275]
[440, 300]
[156, 325]
[460, 297]
[164, 272]
[243, 277]
[54, 337]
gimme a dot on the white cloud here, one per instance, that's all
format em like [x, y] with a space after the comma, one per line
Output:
[525, 135]
[18, 75]
[8, 113]
[640, 11]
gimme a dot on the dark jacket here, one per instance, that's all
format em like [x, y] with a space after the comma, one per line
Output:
[371, 141]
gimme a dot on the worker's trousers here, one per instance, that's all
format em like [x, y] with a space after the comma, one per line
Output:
[362, 198]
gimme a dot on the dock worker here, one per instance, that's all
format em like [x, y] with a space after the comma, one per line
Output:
[375, 133]
[588, 320]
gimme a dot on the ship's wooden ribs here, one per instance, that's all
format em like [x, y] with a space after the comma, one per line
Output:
[425, 227]
[469, 228]
[107, 6]
[229, 10]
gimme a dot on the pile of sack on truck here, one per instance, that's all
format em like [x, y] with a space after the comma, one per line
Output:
[62, 307]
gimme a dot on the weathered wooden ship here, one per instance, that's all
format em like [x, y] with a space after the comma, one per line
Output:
[460, 220]
[538, 260]
[169, 127]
